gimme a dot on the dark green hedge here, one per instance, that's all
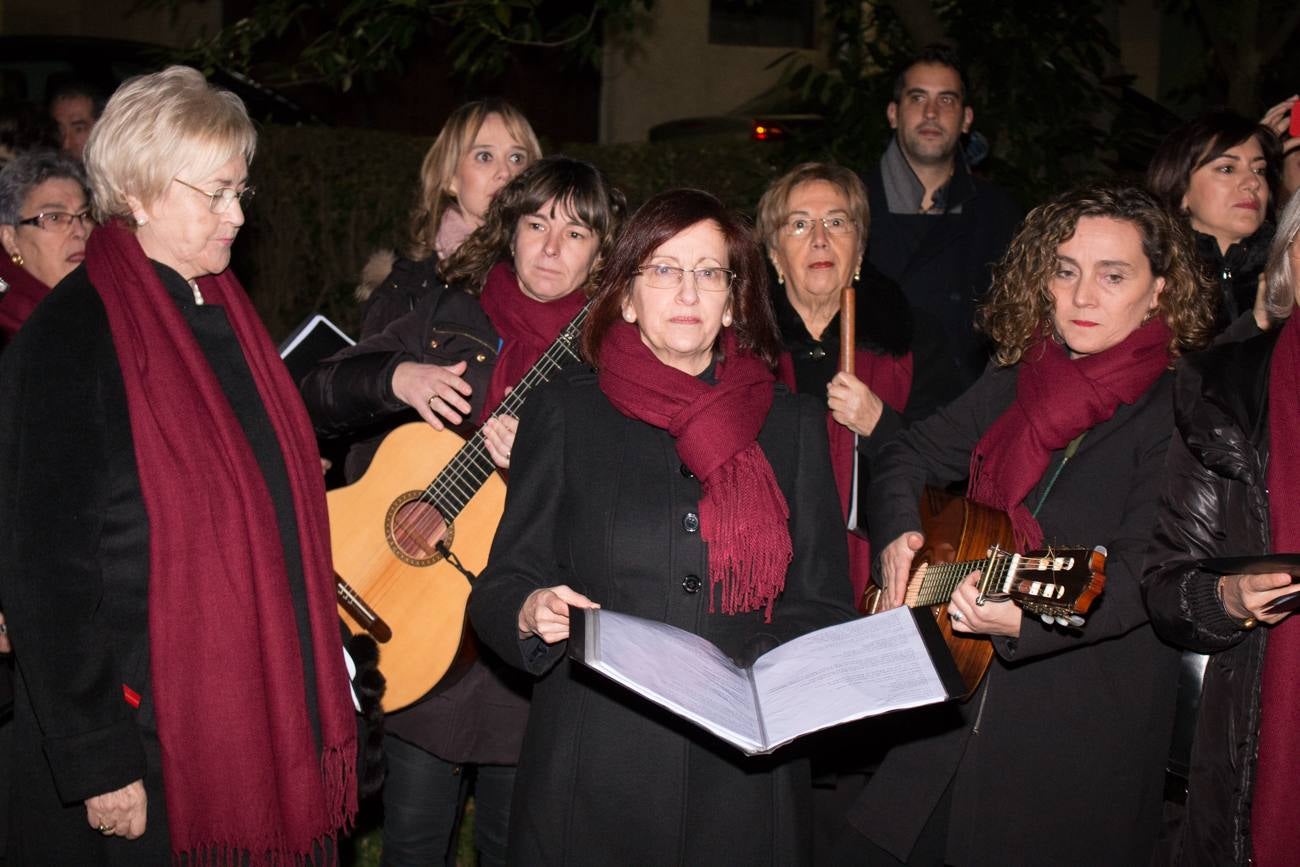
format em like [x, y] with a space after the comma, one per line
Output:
[327, 198]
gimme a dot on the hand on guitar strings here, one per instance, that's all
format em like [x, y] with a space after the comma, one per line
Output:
[853, 404]
[437, 393]
[499, 437]
[1248, 598]
[545, 613]
[994, 617]
[896, 566]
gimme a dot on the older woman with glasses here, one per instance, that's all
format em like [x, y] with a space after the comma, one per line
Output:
[814, 222]
[679, 483]
[44, 222]
[164, 558]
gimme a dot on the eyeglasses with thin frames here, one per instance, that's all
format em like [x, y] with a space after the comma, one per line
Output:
[222, 198]
[799, 226]
[671, 277]
[59, 221]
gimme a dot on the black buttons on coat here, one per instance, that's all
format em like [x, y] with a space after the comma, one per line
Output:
[691, 522]
[691, 583]
[686, 473]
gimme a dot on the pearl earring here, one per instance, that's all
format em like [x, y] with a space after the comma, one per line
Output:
[629, 316]
[726, 320]
[140, 221]
[857, 275]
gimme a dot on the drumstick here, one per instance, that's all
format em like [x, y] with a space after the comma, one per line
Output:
[848, 317]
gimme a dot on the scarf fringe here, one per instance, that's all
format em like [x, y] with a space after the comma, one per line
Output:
[337, 773]
[749, 548]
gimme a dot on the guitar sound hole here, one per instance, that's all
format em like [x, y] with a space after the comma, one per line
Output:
[414, 529]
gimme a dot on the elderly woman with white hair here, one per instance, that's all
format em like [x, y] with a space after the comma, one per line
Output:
[164, 553]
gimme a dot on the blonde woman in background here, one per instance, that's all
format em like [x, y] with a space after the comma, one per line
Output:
[483, 145]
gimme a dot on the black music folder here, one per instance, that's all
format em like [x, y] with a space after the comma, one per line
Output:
[310, 343]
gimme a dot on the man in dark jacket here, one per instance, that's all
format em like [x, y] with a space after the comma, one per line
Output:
[935, 228]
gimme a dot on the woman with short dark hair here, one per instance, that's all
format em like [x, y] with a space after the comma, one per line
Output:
[517, 282]
[44, 223]
[1219, 173]
[679, 482]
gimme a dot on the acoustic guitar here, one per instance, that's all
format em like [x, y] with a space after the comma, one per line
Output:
[1058, 584]
[405, 554]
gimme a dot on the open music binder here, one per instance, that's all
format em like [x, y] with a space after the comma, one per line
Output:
[865, 667]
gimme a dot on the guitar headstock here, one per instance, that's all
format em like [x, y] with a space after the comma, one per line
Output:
[1058, 584]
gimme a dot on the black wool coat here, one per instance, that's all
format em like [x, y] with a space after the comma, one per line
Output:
[943, 262]
[1060, 756]
[602, 503]
[74, 569]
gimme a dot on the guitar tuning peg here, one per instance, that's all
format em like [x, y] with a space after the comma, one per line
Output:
[1061, 621]
[1047, 618]
[1076, 621]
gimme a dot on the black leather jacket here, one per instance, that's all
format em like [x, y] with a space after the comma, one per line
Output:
[1235, 274]
[351, 394]
[1215, 504]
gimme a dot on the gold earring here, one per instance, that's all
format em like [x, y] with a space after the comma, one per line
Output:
[857, 274]
[17, 259]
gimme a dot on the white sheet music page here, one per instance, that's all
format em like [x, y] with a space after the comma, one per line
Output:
[858, 669]
[677, 669]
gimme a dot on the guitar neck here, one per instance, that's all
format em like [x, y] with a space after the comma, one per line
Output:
[941, 579]
[462, 478]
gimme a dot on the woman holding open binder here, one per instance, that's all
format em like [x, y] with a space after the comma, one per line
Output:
[679, 482]
[1060, 752]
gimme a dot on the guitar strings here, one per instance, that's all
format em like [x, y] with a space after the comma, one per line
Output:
[452, 489]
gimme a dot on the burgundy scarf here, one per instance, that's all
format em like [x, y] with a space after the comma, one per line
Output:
[1057, 399]
[743, 514]
[890, 379]
[241, 771]
[25, 292]
[1273, 829]
[527, 328]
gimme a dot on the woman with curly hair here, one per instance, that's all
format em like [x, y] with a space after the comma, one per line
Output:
[1067, 433]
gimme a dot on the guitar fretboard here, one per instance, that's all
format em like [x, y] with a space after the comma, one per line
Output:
[941, 579]
[1001, 573]
[462, 478]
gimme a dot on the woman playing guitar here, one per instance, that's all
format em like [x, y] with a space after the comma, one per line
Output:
[1066, 432]
[516, 283]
